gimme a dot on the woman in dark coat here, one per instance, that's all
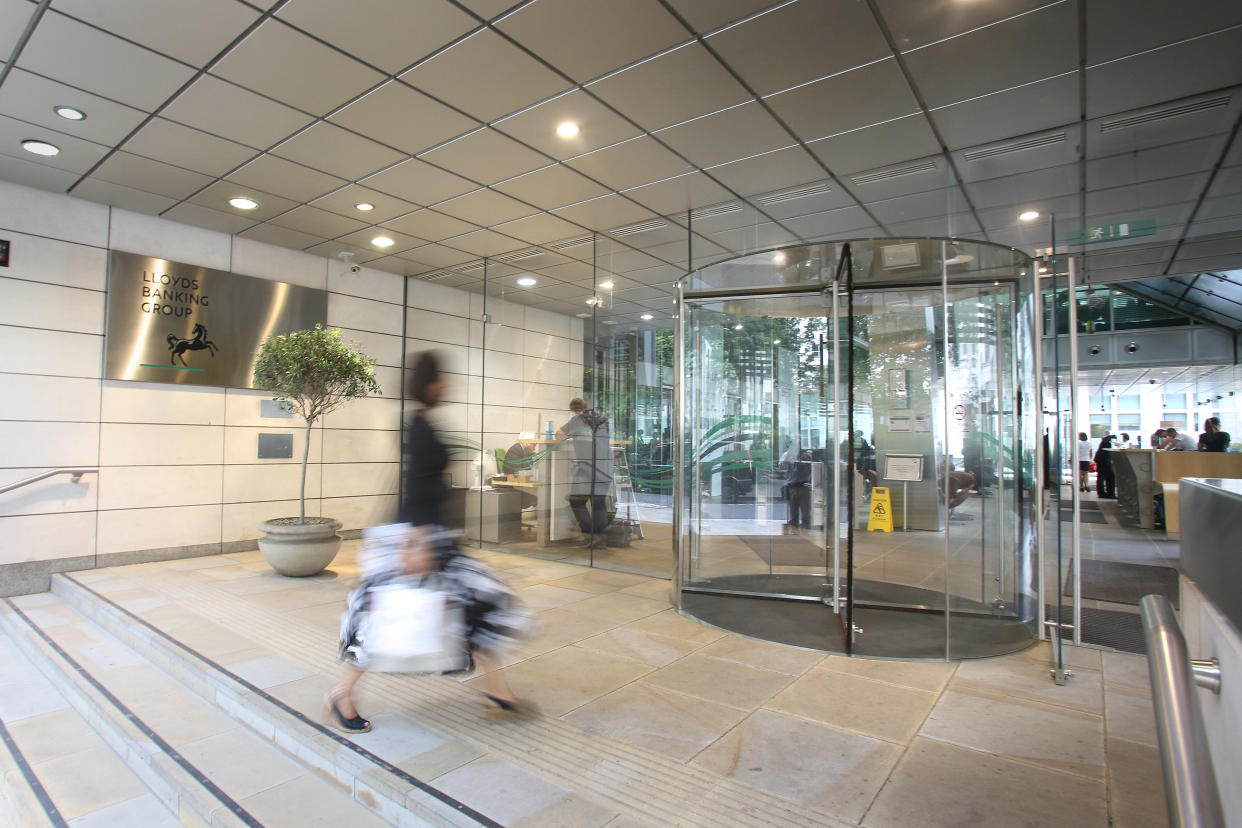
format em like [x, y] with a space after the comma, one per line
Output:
[1105, 479]
[493, 616]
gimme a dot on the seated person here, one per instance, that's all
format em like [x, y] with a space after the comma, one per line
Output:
[519, 459]
[1173, 441]
[1212, 438]
[960, 485]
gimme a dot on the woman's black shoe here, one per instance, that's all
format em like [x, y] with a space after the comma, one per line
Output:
[337, 719]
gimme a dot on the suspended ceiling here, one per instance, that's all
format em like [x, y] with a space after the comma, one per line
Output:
[767, 122]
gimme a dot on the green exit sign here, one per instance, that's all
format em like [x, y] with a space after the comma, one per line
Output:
[1111, 232]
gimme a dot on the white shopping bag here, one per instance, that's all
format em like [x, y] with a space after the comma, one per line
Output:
[412, 629]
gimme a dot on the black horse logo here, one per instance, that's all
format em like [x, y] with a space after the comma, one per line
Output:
[198, 343]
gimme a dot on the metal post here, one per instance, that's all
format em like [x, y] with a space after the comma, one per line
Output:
[679, 495]
[944, 312]
[1076, 560]
[833, 525]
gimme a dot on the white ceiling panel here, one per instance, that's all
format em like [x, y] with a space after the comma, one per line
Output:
[484, 243]
[435, 255]
[285, 178]
[127, 198]
[404, 118]
[26, 97]
[635, 162]
[318, 222]
[411, 29]
[761, 174]
[706, 15]
[325, 78]
[675, 87]
[1017, 155]
[1218, 253]
[738, 132]
[362, 240]
[861, 97]
[877, 146]
[430, 225]
[987, 60]
[1063, 180]
[597, 124]
[906, 178]
[1169, 122]
[221, 108]
[216, 197]
[191, 149]
[958, 224]
[485, 76]
[551, 187]
[336, 151]
[677, 195]
[919, 22]
[1161, 162]
[801, 42]
[541, 228]
[485, 207]
[997, 116]
[193, 214]
[605, 213]
[1224, 207]
[1114, 29]
[161, 24]
[933, 203]
[485, 156]
[586, 38]
[76, 155]
[279, 236]
[81, 56]
[344, 202]
[14, 16]
[1139, 198]
[151, 176]
[419, 182]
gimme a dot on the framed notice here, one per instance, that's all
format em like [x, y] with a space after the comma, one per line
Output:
[898, 256]
[907, 468]
[898, 423]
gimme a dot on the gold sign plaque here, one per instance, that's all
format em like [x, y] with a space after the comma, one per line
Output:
[174, 322]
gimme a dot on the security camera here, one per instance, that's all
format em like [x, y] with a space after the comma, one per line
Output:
[1094, 350]
[348, 258]
[1151, 382]
[1132, 347]
[355, 268]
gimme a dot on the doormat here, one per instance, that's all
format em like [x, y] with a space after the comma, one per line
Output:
[1084, 516]
[785, 550]
[1124, 583]
[1107, 628]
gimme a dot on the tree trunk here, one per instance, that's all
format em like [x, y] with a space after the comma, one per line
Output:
[302, 493]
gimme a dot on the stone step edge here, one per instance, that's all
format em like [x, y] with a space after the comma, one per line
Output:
[392, 794]
[25, 793]
[171, 778]
[722, 800]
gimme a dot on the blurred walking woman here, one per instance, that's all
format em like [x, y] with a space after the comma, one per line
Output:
[493, 617]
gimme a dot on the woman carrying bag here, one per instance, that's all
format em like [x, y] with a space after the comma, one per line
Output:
[1105, 479]
[421, 555]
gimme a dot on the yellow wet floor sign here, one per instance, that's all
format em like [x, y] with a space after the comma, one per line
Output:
[881, 516]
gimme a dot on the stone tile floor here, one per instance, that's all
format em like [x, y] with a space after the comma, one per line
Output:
[615, 668]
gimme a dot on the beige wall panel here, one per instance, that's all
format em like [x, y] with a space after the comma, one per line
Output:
[48, 445]
[41, 213]
[151, 236]
[389, 380]
[136, 487]
[363, 314]
[125, 444]
[354, 479]
[511, 420]
[437, 327]
[241, 445]
[46, 537]
[142, 402]
[547, 322]
[256, 483]
[551, 372]
[265, 261]
[440, 299]
[61, 353]
[242, 408]
[503, 364]
[502, 391]
[54, 495]
[125, 530]
[368, 282]
[504, 339]
[35, 305]
[364, 446]
[385, 349]
[372, 412]
[453, 358]
[31, 397]
[54, 262]
[361, 512]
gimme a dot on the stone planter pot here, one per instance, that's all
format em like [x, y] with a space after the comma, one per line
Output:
[300, 548]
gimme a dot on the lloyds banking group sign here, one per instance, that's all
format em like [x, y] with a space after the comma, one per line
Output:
[180, 323]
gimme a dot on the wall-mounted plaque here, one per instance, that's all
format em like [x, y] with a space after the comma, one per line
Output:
[279, 446]
[898, 423]
[907, 468]
[174, 322]
[895, 256]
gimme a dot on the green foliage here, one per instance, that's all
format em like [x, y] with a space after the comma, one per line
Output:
[314, 370]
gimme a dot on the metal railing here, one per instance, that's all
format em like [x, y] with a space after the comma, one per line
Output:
[1191, 794]
[77, 475]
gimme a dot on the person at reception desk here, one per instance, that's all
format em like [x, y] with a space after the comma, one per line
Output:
[591, 483]
[1173, 441]
[1212, 438]
[1105, 481]
[520, 460]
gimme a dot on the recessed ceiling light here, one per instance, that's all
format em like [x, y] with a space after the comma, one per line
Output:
[646, 317]
[738, 326]
[583, 315]
[567, 130]
[778, 258]
[40, 147]
[527, 281]
[606, 285]
[382, 241]
[593, 301]
[243, 203]
[364, 206]
[1029, 215]
[69, 113]
[776, 342]
[610, 321]
[1043, 270]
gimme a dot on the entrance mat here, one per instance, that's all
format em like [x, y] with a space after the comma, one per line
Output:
[1124, 583]
[1107, 628]
[1084, 516]
[1083, 505]
[785, 550]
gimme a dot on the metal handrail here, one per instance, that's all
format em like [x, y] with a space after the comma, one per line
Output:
[77, 475]
[1191, 794]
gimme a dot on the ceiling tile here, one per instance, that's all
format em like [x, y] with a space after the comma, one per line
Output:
[404, 118]
[483, 243]
[1031, 108]
[538, 229]
[906, 178]
[850, 100]
[31, 98]
[191, 149]
[984, 61]
[343, 202]
[843, 220]
[739, 132]
[770, 171]
[279, 236]
[389, 264]
[800, 42]
[1228, 181]
[675, 87]
[487, 9]
[486, 76]
[485, 156]
[1169, 73]
[161, 24]
[14, 16]
[418, 182]
[1138, 199]
[918, 22]
[1158, 162]
[485, 208]
[324, 79]
[435, 255]
[1020, 188]
[1114, 30]
[76, 54]
[76, 155]
[127, 198]
[635, 162]
[219, 107]
[430, 225]
[333, 150]
[361, 240]
[605, 213]
[598, 125]
[1023, 153]
[1168, 122]
[877, 146]
[151, 176]
[620, 259]
[677, 195]
[551, 187]
[586, 38]
[318, 222]
[285, 178]
[396, 33]
[199, 216]
[216, 197]
[705, 15]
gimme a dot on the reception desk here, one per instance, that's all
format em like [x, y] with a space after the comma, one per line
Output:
[1141, 474]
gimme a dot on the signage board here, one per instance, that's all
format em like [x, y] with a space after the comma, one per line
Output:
[180, 323]
[903, 467]
[4, 252]
[1111, 232]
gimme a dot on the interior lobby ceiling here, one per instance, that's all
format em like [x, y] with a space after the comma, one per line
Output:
[725, 125]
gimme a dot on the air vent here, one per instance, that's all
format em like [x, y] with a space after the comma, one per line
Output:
[431, 277]
[894, 172]
[654, 224]
[521, 254]
[1164, 114]
[571, 243]
[718, 210]
[1015, 146]
[469, 268]
[790, 195]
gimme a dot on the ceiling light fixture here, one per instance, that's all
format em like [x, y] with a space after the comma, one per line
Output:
[1029, 215]
[40, 147]
[382, 241]
[583, 315]
[243, 203]
[606, 285]
[567, 130]
[1043, 270]
[776, 342]
[364, 206]
[593, 301]
[610, 321]
[69, 113]
[738, 326]
[778, 258]
[646, 317]
[527, 281]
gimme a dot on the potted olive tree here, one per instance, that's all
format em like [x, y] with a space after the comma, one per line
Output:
[315, 371]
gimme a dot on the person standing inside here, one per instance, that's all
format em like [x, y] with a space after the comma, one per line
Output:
[1105, 480]
[1212, 438]
[1084, 460]
[591, 482]
[797, 490]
